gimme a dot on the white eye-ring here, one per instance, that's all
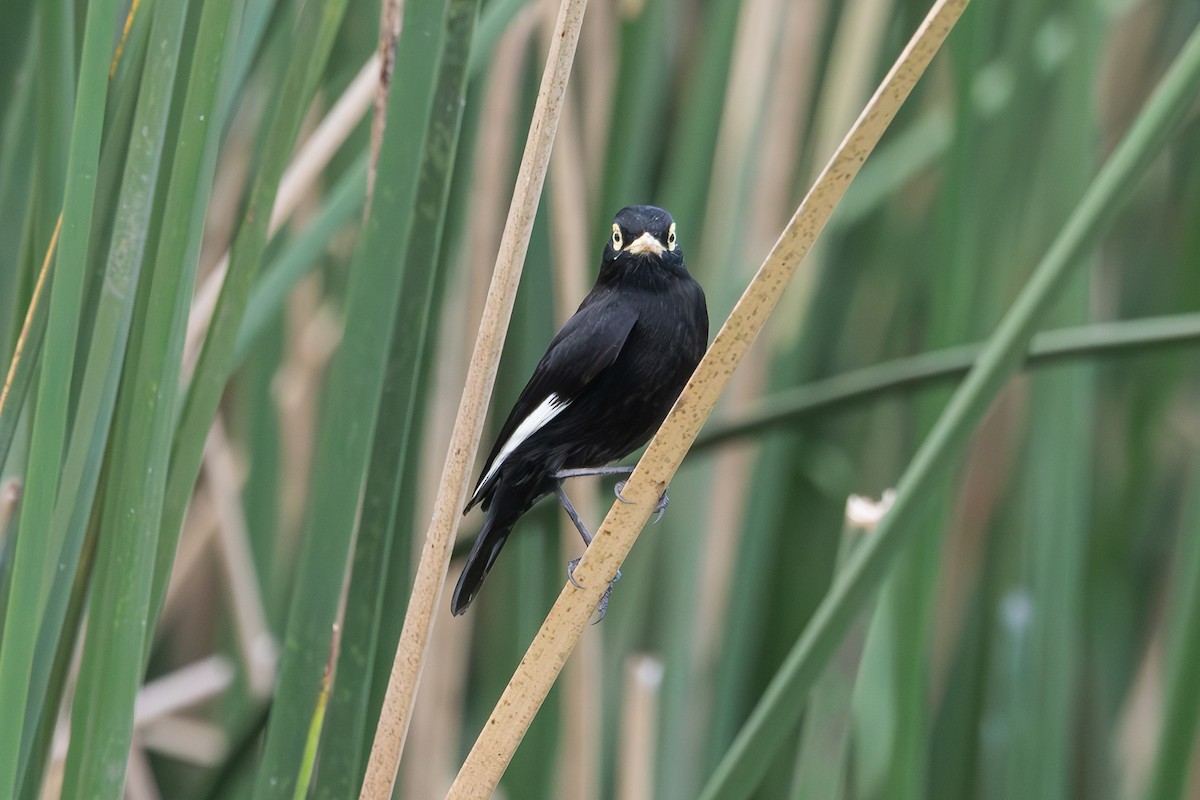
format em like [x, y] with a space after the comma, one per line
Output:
[617, 242]
[671, 237]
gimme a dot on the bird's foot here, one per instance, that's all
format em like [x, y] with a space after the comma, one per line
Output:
[660, 507]
[603, 605]
[571, 565]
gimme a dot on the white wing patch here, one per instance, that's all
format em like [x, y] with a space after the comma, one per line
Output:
[550, 408]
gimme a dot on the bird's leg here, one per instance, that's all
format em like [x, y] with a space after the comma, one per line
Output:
[573, 514]
[585, 471]
[660, 507]
[587, 540]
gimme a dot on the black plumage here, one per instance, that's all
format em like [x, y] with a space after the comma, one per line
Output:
[606, 382]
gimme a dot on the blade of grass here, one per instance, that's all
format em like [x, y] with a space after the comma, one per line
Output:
[413, 316]
[308, 758]
[528, 688]
[1034, 696]
[1098, 340]
[54, 26]
[431, 571]
[759, 616]
[54, 641]
[686, 187]
[783, 701]
[251, 33]
[25, 356]
[148, 110]
[17, 141]
[59, 646]
[495, 20]
[33, 552]
[1180, 702]
[889, 700]
[14, 37]
[296, 184]
[822, 760]
[644, 49]
[177, 250]
[301, 254]
[179, 246]
[750, 193]
[384, 298]
[111, 667]
[444, 352]
[314, 35]
[48, 186]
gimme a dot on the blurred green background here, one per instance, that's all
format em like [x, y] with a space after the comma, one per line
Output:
[187, 508]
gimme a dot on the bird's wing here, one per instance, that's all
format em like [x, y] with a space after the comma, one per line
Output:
[589, 342]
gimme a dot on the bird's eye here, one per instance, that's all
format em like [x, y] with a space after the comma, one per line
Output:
[671, 237]
[617, 241]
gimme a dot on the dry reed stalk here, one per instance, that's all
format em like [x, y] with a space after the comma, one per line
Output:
[582, 718]
[852, 62]
[493, 170]
[755, 49]
[639, 728]
[139, 775]
[531, 682]
[438, 714]
[313, 334]
[786, 116]
[391, 17]
[10, 499]
[187, 686]
[182, 738]
[199, 529]
[481, 376]
[257, 646]
[157, 700]
[1139, 720]
[754, 152]
[492, 177]
[598, 82]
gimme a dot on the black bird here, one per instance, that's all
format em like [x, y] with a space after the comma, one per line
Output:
[605, 384]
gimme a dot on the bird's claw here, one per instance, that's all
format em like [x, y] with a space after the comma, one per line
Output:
[660, 508]
[602, 607]
[573, 563]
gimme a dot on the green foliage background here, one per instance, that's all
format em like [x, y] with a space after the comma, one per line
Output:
[186, 519]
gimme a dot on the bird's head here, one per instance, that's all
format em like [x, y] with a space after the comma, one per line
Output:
[643, 235]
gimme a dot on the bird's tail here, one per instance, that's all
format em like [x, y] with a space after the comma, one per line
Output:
[483, 554]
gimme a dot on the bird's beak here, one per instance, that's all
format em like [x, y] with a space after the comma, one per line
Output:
[646, 243]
